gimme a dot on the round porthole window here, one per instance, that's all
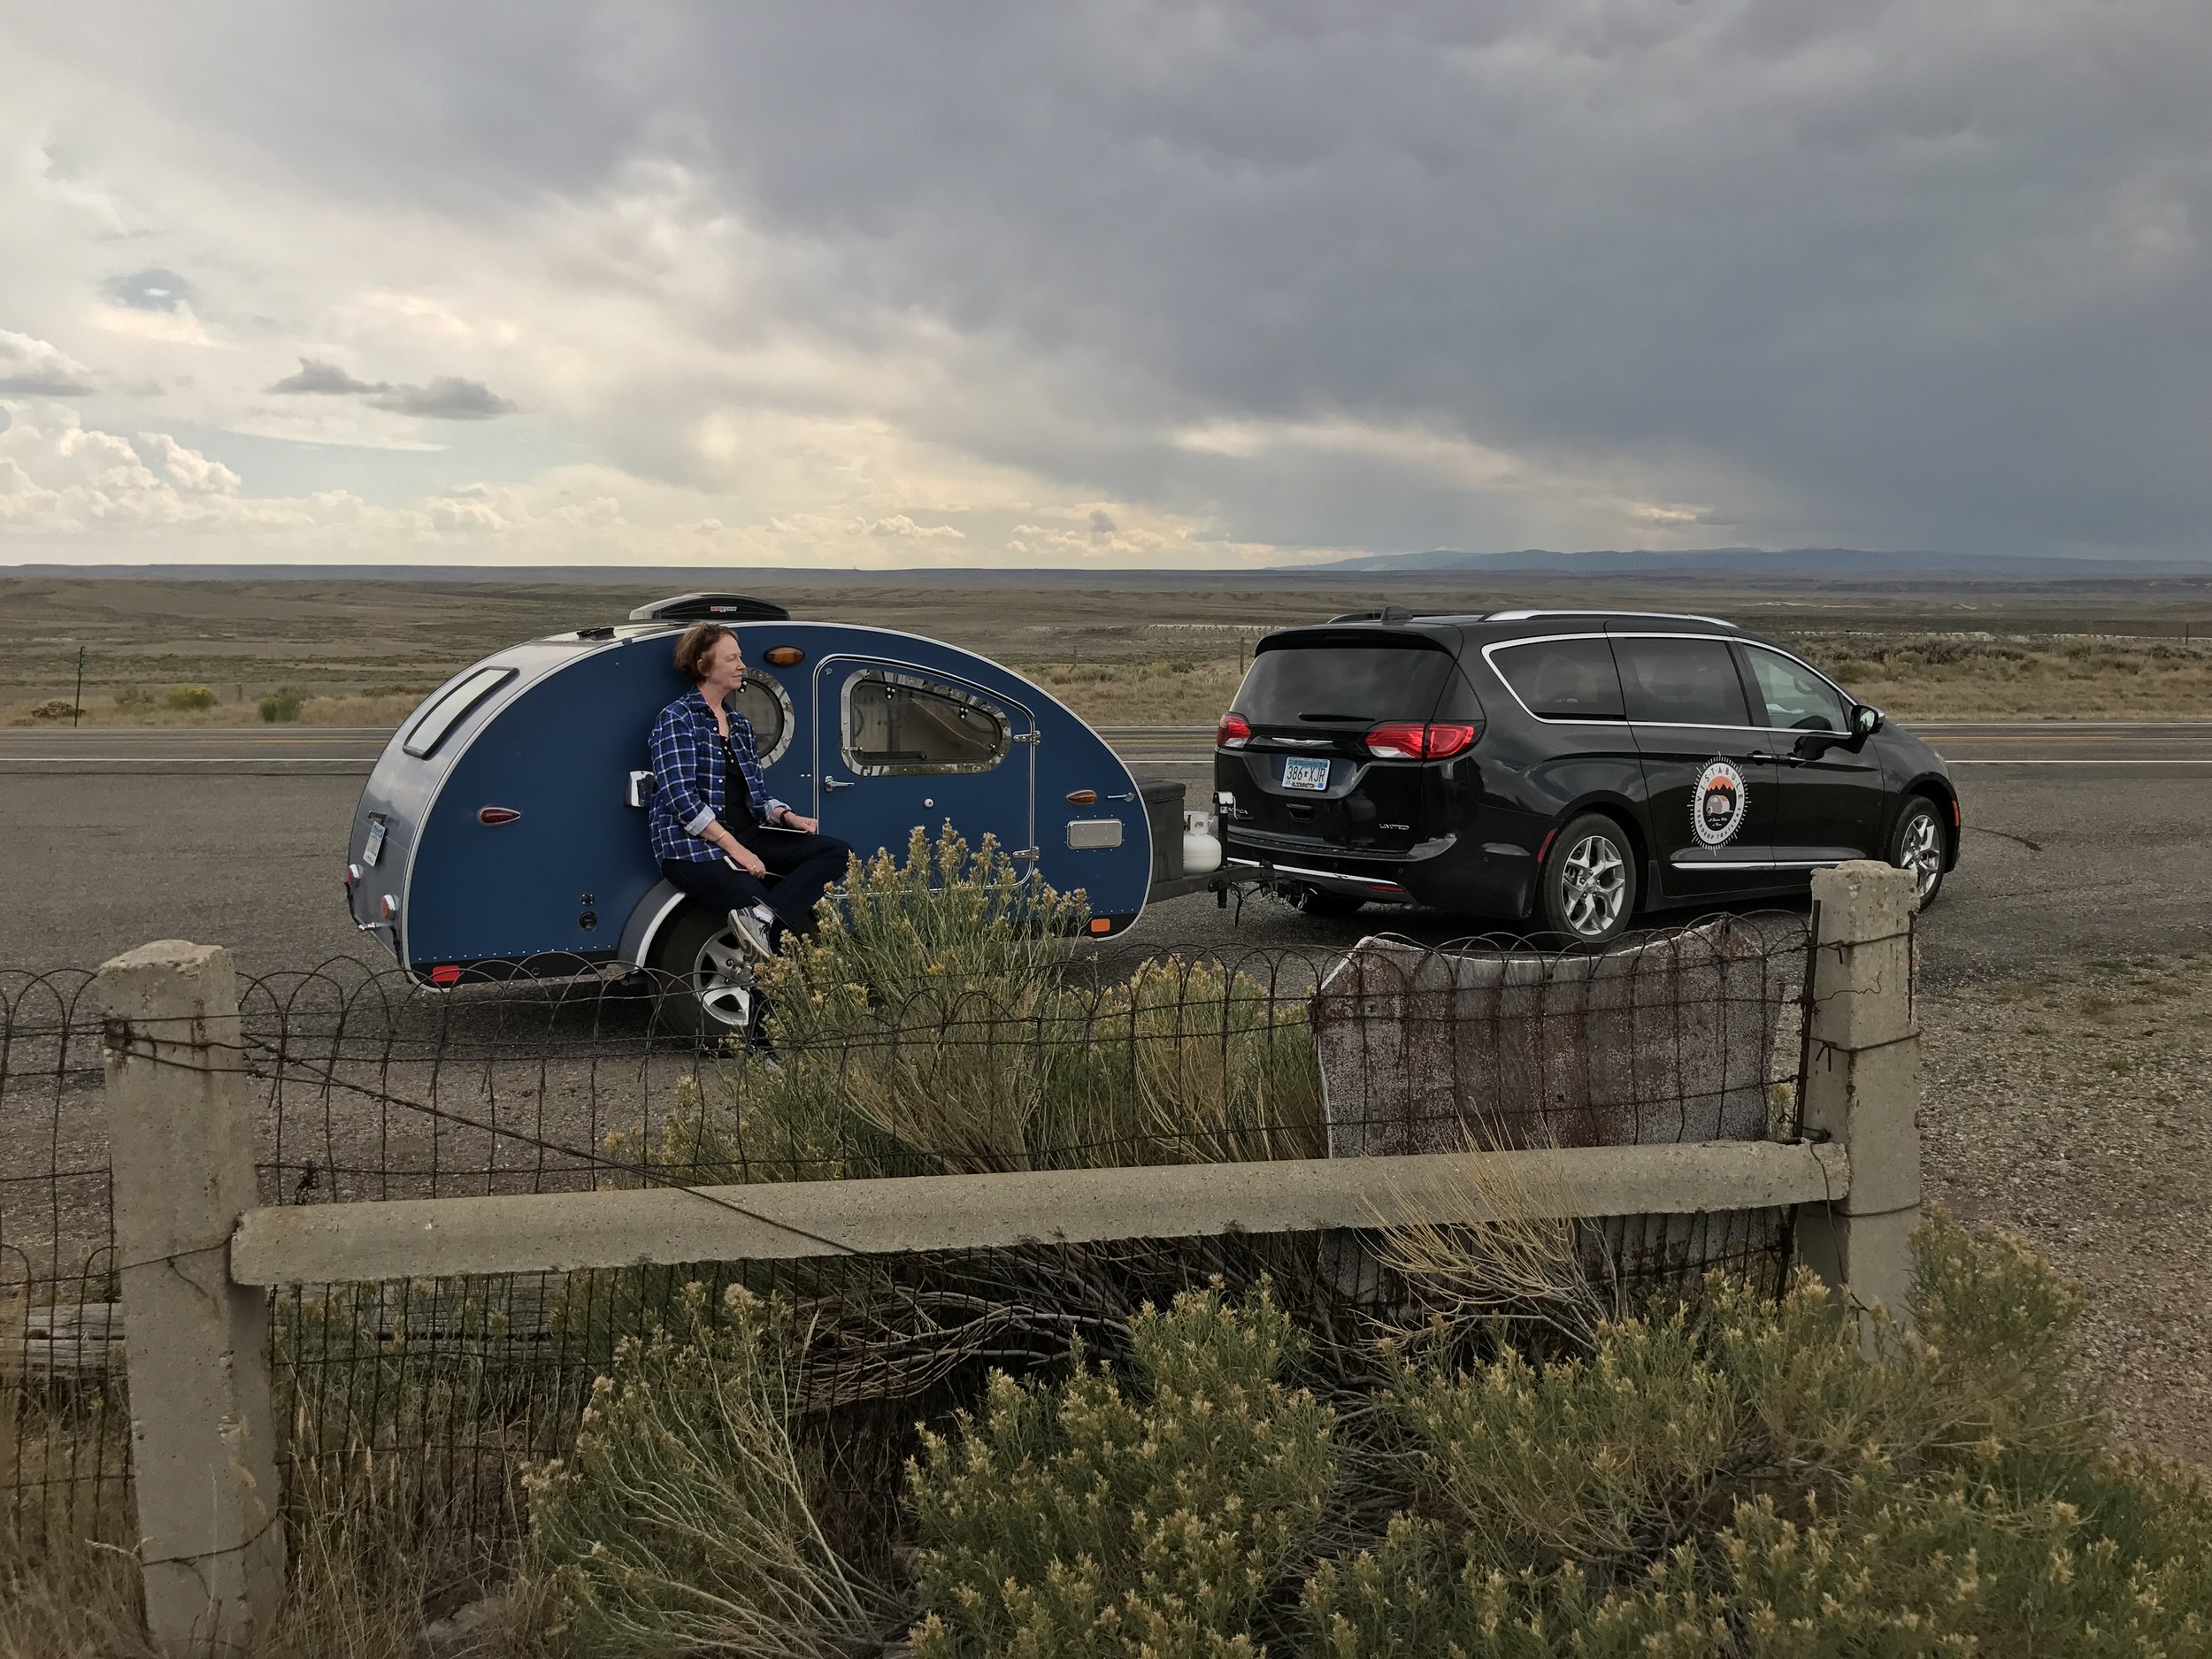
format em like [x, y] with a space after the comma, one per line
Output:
[764, 703]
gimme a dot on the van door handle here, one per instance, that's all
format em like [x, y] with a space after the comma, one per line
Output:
[836, 783]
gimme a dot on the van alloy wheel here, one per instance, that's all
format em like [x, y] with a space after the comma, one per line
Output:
[1593, 886]
[1920, 849]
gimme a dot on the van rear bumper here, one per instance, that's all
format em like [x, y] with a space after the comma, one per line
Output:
[1445, 875]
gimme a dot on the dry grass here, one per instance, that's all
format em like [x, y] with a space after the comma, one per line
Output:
[1980, 676]
[388, 708]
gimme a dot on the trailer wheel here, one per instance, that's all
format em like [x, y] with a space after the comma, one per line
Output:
[704, 975]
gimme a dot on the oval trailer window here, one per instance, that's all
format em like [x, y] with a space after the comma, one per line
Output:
[446, 713]
[766, 706]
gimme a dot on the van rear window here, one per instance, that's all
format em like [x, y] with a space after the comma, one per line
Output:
[446, 713]
[1335, 685]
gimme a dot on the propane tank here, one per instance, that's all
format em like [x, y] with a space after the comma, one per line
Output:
[1202, 848]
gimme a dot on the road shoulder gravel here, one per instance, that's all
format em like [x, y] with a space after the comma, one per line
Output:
[2075, 1107]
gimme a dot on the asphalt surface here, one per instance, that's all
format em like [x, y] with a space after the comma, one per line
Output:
[2084, 842]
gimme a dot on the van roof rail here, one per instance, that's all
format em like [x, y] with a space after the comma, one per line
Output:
[1650, 616]
[711, 608]
[1388, 614]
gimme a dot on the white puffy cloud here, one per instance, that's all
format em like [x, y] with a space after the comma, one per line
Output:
[33, 368]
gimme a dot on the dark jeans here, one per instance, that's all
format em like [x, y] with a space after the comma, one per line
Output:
[804, 866]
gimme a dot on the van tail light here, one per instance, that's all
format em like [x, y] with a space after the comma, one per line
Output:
[388, 907]
[1411, 740]
[353, 875]
[1235, 732]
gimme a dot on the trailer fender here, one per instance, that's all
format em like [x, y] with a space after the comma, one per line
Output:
[646, 921]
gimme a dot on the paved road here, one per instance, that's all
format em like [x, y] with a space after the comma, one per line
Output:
[2083, 842]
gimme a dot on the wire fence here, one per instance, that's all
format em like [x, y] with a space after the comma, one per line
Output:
[370, 1085]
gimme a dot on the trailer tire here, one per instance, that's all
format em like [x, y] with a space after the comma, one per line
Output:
[703, 978]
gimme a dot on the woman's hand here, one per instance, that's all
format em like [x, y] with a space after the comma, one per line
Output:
[806, 825]
[737, 852]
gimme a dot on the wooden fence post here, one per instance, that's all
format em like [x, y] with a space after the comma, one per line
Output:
[181, 1147]
[1860, 1082]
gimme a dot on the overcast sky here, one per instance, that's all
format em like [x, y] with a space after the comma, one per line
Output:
[1106, 284]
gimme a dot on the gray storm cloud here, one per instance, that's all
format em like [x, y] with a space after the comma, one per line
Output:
[448, 397]
[1385, 276]
[327, 380]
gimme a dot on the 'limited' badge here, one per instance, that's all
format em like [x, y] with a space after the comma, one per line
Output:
[1719, 804]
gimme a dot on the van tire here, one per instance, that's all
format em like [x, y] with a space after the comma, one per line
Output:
[1917, 845]
[1588, 891]
[702, 976]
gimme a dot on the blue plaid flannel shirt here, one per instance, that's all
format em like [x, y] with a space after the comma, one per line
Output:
[690, 781]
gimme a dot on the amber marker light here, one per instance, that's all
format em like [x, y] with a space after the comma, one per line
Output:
[1082, 797]
[1101, 924]
[783, 656]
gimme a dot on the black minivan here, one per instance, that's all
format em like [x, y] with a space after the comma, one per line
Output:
[1569, 768]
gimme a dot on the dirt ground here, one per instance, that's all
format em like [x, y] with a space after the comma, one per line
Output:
[2076, 1108]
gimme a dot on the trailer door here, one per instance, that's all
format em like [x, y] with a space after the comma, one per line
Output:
[898, 747]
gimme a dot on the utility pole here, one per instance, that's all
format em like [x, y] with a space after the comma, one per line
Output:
[76, 703]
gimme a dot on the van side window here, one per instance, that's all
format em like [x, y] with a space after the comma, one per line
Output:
[1796, 698]
[1563, 679]
[897, 724]
[1680, 682]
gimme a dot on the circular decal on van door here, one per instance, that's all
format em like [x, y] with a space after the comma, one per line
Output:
[1717, 803]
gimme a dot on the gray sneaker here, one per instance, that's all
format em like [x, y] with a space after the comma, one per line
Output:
[752, 933]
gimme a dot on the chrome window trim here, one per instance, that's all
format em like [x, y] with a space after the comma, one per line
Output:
[1490, 660]
[938, 687]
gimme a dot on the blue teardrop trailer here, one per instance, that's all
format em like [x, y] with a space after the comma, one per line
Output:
[503, 829]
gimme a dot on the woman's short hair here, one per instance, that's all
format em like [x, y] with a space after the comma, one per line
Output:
[696, 645]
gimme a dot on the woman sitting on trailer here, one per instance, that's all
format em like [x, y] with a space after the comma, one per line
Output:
[716, 831]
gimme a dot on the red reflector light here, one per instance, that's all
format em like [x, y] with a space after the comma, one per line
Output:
[1234, 732]
[447, 975]
[1955, 816]
[496, 815]
[1411, 740]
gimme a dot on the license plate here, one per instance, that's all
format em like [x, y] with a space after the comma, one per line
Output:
[375, 848]
[1305, 775]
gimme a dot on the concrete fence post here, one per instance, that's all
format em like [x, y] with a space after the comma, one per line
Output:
[1860, 1082]
[181, 1147]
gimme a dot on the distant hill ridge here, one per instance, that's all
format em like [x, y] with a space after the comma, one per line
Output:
[1745, 561]
[1832, 563]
